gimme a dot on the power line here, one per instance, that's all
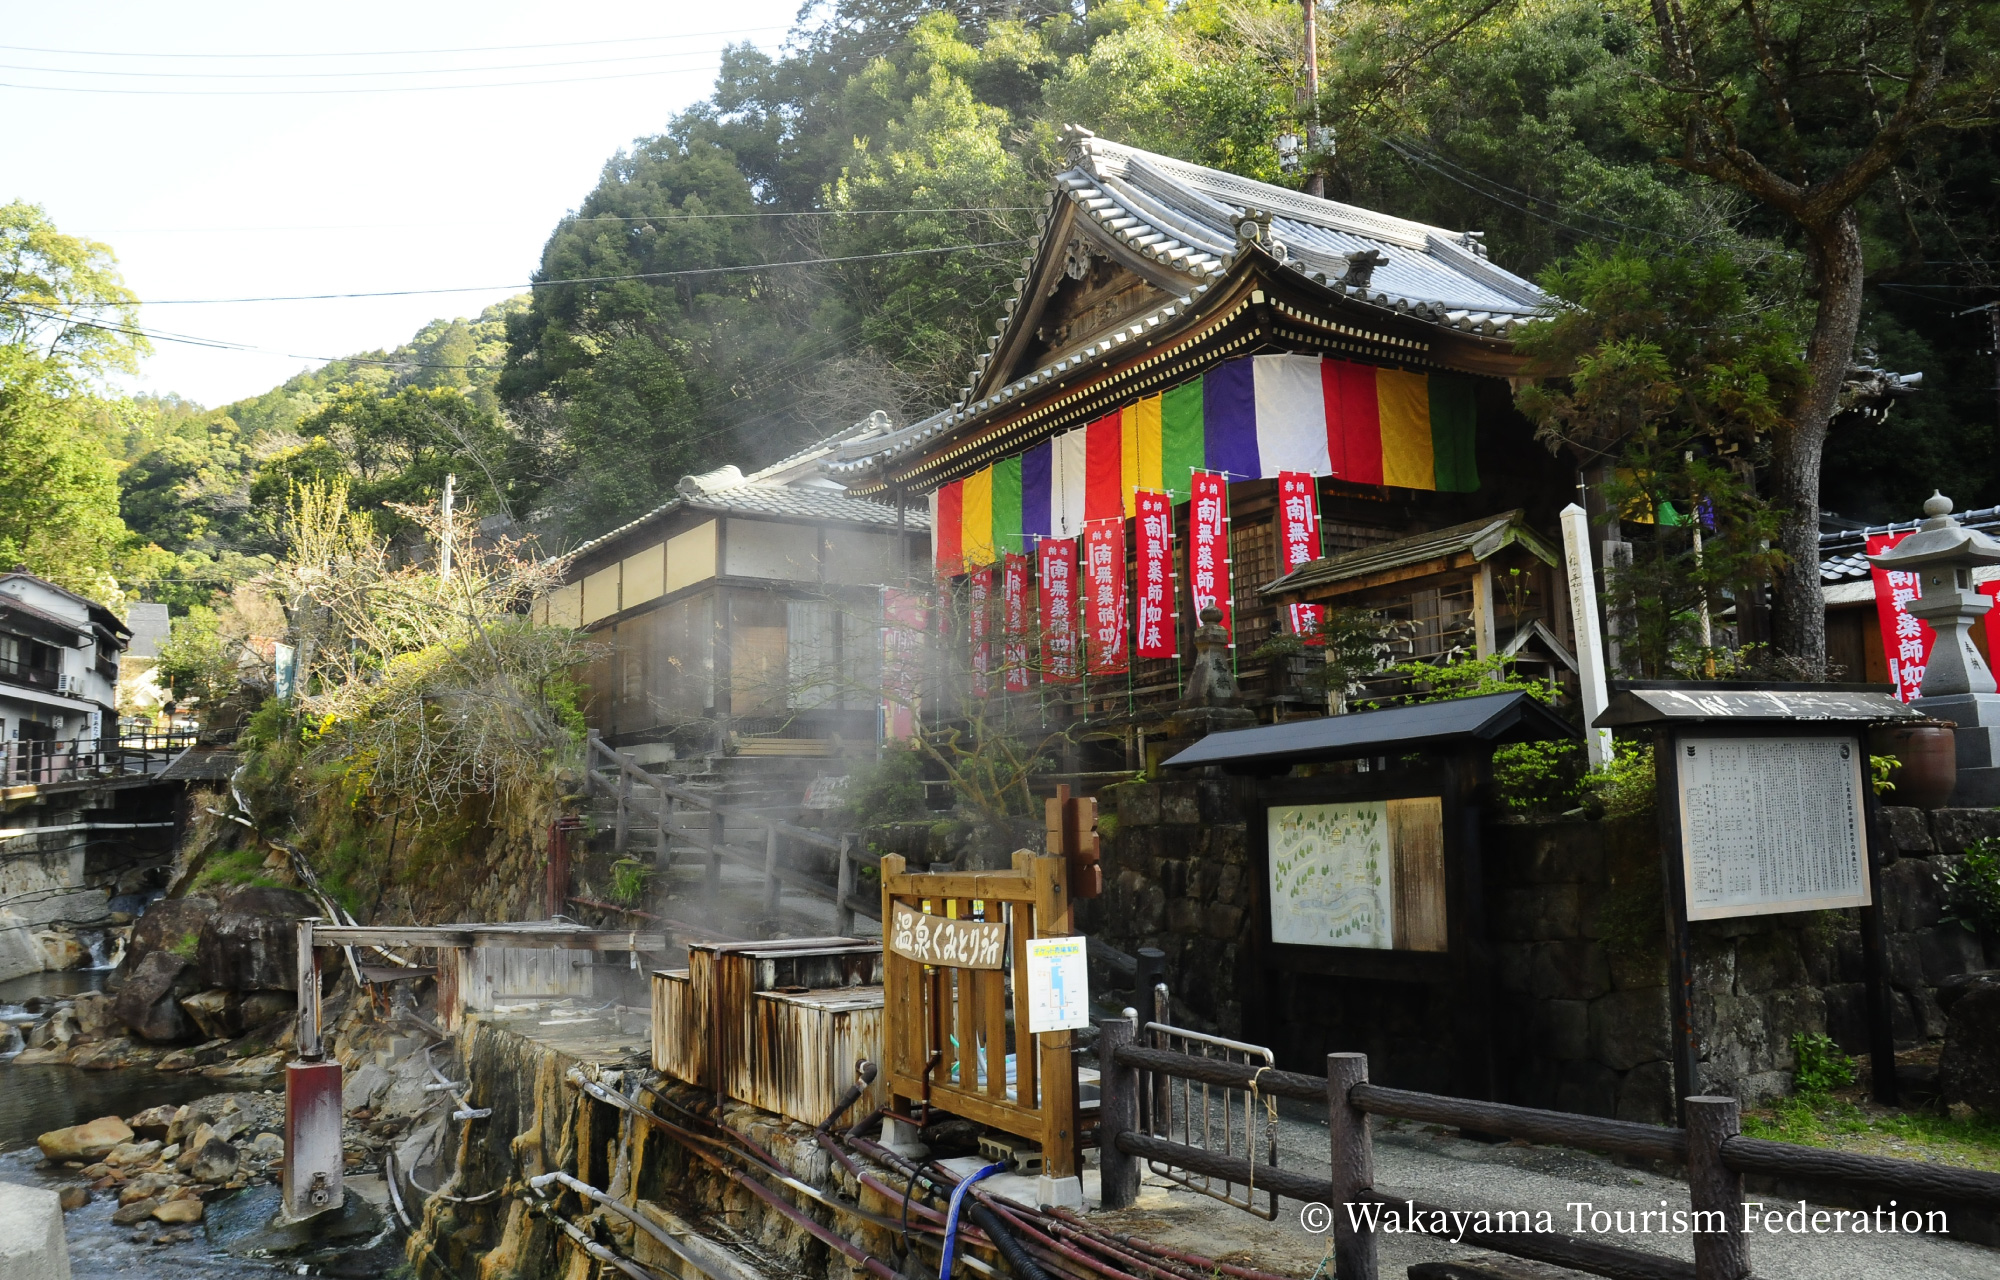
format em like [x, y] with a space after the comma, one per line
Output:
[330, 75]
[668, 218]
[392, 53]
[543, 284]
[290, 93]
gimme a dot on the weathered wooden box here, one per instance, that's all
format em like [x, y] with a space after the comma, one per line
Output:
[786, 1020]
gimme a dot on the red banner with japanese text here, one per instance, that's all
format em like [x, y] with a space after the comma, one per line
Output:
[979, 626]
[1055, 566]
[904, 614]
[1104, 596]
[1907, 639]
[1014, 621]
[1306, 620]
[1208, 554]
[1158, 636]
[1298, 520]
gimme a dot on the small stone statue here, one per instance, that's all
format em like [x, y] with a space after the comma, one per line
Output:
[1212, 683]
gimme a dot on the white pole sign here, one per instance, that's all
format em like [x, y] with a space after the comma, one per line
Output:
[1589, 640]
[1058, 985]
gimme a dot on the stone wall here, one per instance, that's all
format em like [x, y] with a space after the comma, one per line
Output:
[1577, 924]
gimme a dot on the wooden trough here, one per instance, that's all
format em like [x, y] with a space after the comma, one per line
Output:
[786, 1019]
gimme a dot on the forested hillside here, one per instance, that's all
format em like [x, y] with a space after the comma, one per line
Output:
[835, 228]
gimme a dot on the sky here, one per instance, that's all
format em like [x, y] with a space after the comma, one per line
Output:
[213, 173]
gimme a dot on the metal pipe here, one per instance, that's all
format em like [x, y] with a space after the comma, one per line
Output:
[598, 1251]
[638, 1220]
[1010, 1248]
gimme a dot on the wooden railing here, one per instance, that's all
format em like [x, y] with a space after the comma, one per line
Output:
[30, 762]
[622, 778]
[1712, 1149]
[946, 1027]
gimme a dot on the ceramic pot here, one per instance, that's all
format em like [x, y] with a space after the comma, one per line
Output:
[1926, 769]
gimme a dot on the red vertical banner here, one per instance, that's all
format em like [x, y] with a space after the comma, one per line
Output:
[904, 614]
[1906, 639]
[1208, 557]
[1104, 596]
[979, 626]
[1014, 622]
[1158, 636]
[1306, 620]
[1298, 520]
[1055, 564]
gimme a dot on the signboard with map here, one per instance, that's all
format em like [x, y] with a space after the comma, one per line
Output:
[1364, 873]
[1771, 824]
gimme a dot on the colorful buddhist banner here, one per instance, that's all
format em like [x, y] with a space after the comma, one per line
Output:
[1298, 520]
[1014, 622]
[1159, 634]
[979, 625]
[1104, 596]
[1055, 566]
[1306, 620]
[1254, 417]
[1208, 551]
[904, 614]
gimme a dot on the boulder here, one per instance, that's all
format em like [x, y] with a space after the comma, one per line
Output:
[133, 1153]
[108, 1055]
[154, 1122]
[1969, 1067]
[251, 942]
[147, 1186]
[262, 1008]
[150, 1000]
[179, 1211]
[92, 1141]
[169, 924]
[131, 1214]
[267, 1146]
[215, 1161]
[74, 1197]
[95, 1014]
[218, 1013]
[360, 1089]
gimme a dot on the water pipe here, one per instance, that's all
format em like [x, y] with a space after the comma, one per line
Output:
[951, 1215]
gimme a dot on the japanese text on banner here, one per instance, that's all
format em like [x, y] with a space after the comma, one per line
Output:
[1104, 596]
[1208, 557]
[903, 616]
[1014, 621]
[1907, 639]
[1055, 562]
[1158, 636]
[1298, 520]
[1306, 620]
[979, 595]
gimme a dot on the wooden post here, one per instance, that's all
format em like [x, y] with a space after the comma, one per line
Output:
[1686, 1047]
[623, 831]
[1715, 1192]
[1353, 1150]
[1875, 966]
[1117, 1113]
[843, 888]
[1052, 1048]
[308, 978]
[770, 869]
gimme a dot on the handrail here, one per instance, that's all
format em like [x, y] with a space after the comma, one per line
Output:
[668, 787]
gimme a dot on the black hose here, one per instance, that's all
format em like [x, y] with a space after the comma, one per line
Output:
[1010, 1248]
[864, 1075]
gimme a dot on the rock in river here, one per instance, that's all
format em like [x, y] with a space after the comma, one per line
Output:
[150, 1001]
[216, 1161]
[251, 942]
[188, 1210]
[91, 1141]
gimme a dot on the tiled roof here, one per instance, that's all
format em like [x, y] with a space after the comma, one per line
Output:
[1843, 553]
[1479, 537]
[750, 497]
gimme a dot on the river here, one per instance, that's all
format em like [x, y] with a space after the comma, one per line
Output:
[35, 1099]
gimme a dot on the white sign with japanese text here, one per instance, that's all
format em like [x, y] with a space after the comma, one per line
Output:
[1772, 824]
[1058, 985]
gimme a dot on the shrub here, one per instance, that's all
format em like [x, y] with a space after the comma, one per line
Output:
[1623, 788]
[889, 790]
[1819, 1068]
[1972, 888]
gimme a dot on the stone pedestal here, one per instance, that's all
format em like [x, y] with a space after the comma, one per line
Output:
[1977, 716]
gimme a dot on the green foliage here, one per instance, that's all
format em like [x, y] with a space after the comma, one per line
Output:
[1624, 787]
[186, 945]
[1352, 643]
[890, 789]
[232, 868]
[62, 301]
[1537, 777]
[629, 878]
[1819, 1067]
[197, 664]
[1879, 769]
[1972, 888]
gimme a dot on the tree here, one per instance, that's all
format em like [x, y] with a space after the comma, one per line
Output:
[62, 300]
[58, 488]
[1804, 106]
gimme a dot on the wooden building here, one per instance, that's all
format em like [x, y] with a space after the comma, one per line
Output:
[1154, 279]
[744, 606]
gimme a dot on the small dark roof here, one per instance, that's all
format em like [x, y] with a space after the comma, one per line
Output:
[1492, 719]
[201, 764]
[1650, 702]
[1482, 538]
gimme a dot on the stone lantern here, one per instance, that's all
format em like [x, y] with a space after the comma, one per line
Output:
[1957, 684]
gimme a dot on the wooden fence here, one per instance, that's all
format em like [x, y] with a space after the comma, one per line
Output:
[956, 1036]
[1712, 1149]
[613, 773]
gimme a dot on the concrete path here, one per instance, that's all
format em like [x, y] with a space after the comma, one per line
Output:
[1430, 1165]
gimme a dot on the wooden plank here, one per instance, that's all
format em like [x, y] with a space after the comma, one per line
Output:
[965, 1027]
[1416, 849]
[968, 884]
[327, 935]
[1027, 1071]
[1057, 1067]
[992, 989]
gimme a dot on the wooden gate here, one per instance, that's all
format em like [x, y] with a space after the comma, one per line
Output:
[950, 1036]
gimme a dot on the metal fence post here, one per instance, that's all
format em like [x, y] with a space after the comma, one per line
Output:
[1353, 1166]
[1721, 1250]
[843, 888]
[1118, 1113]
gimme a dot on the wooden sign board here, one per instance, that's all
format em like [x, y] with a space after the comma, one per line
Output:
[1771, 824]
[941, 940]
[1358, 873]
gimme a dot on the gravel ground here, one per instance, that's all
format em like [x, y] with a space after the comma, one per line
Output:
[1431, 1165]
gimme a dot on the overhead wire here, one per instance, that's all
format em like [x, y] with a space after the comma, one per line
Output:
[345, 75]
[667, 219]
[392, 53]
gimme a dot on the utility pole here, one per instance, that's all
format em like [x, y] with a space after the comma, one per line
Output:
[1992, 310]
[444, 543]
[1315, 180]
